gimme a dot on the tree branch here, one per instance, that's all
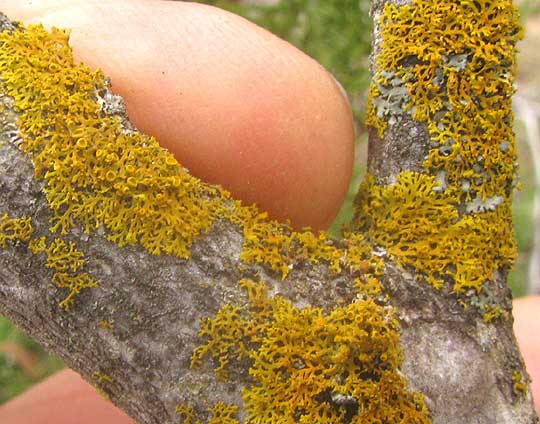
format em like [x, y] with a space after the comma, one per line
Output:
[169, 296]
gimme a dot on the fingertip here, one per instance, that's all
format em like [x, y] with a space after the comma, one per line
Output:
[238, 106]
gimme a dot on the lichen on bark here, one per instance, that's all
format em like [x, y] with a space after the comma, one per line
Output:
[352, 335]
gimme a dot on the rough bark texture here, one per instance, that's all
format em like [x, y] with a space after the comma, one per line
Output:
[152, 307]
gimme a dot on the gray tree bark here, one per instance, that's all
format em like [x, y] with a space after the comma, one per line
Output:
[133, 337]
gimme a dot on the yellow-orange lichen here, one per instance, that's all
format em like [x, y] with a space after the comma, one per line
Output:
[106, 325]
[312, 366]
[13, 229]
[187, 414]
[96, 173]
[450, 66]
[308, 365]
[222, 413]
[421, 227]
[521, 386]
[277, 246]
[66, 261]
[101, 381]
[62, 257]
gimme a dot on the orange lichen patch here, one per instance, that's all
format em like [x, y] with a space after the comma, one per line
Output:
[106, 325]
[102, 377]
[308, 365]
[66, 261]
[374, 117]
[359, 256]
[102, 380]
[222, 413]
[13, 229]
[419, 227]
[187, 414]
[96, 173]
[311, 366]
[457, 61]
[229, 325]
[64, 258]
[521, 386]
[494, 312]
[280, 248]
[449, 65]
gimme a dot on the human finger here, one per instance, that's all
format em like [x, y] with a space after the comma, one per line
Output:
[64, 398]
[237, 106]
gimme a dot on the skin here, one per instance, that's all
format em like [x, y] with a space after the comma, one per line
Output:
[527, 327]
[238, 107]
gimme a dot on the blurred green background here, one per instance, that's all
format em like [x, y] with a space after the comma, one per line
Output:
[337, 34]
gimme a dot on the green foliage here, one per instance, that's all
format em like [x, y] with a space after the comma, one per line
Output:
[15, 378]
[529, 8]
[522, 212]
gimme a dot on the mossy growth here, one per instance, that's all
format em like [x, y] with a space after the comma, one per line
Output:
[452, 64]
[312, 366]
